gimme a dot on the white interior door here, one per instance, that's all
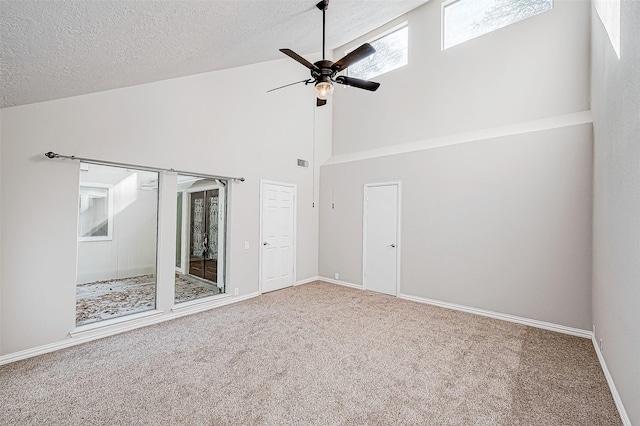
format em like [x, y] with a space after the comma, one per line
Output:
[278, 239]
[381, 231]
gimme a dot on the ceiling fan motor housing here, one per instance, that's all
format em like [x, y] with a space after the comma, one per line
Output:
[324, 72]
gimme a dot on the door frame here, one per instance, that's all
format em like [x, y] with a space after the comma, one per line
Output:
[398, 230]
[186, 233]
[295, 227]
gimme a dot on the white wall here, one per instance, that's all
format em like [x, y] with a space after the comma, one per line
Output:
[533, 69]
[132, 249]
[0, 236]
[503, 224]
[220, 123]
[616, 214]
[497, 223]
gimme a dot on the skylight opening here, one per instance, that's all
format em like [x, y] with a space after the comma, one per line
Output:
[463, 20]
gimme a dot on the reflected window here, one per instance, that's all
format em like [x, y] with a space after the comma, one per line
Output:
[392, 52]
[464, 20]
[117, 238]
[95, 221]
[200, 239]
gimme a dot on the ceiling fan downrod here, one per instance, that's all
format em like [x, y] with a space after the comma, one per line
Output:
[323, 5]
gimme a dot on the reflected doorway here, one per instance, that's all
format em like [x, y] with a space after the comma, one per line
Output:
[203, 259]
[200, 238]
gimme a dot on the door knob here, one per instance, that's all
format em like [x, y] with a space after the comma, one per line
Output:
[265, 243]
[391, 245]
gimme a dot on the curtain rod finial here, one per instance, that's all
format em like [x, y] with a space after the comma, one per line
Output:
[51, 154]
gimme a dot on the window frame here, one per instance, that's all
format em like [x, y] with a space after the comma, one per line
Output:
[379, 36]
[109, 236]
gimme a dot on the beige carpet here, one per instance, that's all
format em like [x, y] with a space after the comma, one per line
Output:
[315, 354]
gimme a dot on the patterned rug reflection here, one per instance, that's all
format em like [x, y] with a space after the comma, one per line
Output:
[101, 300]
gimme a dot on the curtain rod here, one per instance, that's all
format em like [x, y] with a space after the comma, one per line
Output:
[135, 166]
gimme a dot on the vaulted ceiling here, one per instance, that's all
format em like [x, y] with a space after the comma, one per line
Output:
[55, 49]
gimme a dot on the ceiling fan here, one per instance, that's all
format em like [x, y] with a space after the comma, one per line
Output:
[323, 72]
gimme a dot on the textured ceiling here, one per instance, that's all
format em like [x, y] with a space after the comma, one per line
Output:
[55, 49]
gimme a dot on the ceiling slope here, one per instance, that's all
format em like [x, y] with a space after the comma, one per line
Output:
[54, 49]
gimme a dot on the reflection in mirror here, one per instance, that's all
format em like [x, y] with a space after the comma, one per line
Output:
[96, 210]
[117, 236]
[200, 238]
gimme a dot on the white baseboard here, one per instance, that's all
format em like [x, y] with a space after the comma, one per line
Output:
[497, 315]
[612, 385]
[193, 308]
[83, 336]
[505, 317]
[343, 283]
[306, 280]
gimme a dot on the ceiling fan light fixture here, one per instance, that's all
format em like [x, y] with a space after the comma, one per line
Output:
[323, 72]
[324, 89]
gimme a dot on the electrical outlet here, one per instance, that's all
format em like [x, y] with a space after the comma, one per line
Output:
[236, 291]
[246, 245]
[336, 276]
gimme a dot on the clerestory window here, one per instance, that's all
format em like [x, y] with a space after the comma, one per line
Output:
[392, 52]
[463, 20]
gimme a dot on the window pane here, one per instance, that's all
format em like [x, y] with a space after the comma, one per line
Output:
[202, 236]
[116, 275]
[468, 19]
[391, 53]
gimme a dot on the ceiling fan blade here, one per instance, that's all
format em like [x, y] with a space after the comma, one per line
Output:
[356, 82]
[293, 55]
[357, 55]
[320, 102]
[290, 84]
